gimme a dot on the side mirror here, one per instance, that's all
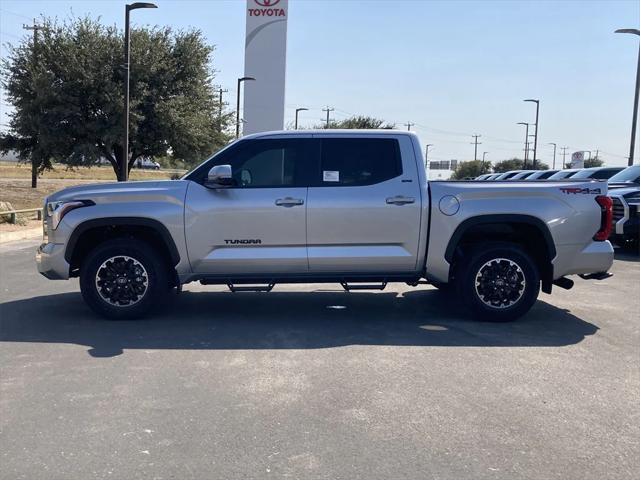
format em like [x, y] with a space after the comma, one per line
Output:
[219, 177]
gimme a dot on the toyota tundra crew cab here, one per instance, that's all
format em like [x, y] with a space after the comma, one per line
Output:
[350, 207]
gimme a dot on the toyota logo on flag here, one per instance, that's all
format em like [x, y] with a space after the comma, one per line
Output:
[267, 3]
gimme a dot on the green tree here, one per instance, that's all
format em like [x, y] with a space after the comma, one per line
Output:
[507, 165]
[518, 164]
[593, 162]
[471, 169]
[359, 122]
[67, 94]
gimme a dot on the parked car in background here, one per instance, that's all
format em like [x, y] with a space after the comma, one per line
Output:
[629, 177]
[522, 175]
[625, 230]
[483, 177]
[564, 174]
[596, 173]
[508, 175]
[541, 174]
[493, 176]
[147, 164]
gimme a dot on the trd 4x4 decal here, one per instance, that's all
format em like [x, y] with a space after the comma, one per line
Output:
[584, 191]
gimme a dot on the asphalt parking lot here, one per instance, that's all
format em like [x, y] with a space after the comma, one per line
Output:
[310, 382]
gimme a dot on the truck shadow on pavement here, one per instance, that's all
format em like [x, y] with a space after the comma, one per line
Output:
[285, 320]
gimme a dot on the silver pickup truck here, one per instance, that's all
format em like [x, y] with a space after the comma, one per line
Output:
[350, 207]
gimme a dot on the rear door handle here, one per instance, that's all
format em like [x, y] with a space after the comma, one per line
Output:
[289, 202]
[400, 200]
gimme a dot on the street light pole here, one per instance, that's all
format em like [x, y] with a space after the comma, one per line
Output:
[526, 143]
[124, 165]
[240, 80]
[634, 121]
[299, 110]
[535, 139]
[554, 155]
[483, 155]
[426, 154]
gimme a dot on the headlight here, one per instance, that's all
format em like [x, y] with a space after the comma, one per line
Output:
[57, 210]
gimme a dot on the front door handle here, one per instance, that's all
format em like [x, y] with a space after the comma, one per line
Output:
[400, 200]
[289, 202]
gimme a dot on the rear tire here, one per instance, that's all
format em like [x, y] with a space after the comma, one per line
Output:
[123, 278]
[499, 282]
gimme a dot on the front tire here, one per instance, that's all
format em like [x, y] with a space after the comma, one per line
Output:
[123, 278]
[499, 283]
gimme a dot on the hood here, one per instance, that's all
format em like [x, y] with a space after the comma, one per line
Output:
[101, 192]
[623, 185]
[625, 192]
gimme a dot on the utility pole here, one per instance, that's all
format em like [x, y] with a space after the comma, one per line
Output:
[476, 143]
[220, 107]
[564, 155]
[34, 161]
[409, 125]
[328, 110]
[554, 155]
[526, 144]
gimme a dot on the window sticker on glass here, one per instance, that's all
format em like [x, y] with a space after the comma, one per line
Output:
[330, 176]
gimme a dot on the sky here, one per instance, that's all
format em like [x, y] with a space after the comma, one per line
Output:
[452, 68]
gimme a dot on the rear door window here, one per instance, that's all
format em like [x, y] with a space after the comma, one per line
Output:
[358, 161]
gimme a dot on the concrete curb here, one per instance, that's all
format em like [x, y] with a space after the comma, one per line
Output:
[27, 234]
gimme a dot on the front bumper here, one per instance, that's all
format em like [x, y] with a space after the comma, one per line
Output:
[51, 262]
[628, 229]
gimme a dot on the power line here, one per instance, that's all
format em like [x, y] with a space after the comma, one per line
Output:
[7, 34]
[15, 14]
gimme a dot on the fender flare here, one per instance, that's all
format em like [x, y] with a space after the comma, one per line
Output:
[499, 218]
[123, 221]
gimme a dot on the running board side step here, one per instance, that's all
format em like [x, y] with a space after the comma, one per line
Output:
[564, 282]
[376, 286]
[595, 276]
[251, 288]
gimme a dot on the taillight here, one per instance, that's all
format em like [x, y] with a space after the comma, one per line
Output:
[606, 217]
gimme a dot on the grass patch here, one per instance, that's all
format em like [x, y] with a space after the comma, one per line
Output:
[106, 173]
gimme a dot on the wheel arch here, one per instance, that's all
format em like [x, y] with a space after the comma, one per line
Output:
[529, 231]
[91, 233]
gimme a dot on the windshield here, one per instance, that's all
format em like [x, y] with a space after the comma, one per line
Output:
[628, 175]
[585, 173]
[596, 173]
[563, 174]
[546, 174]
